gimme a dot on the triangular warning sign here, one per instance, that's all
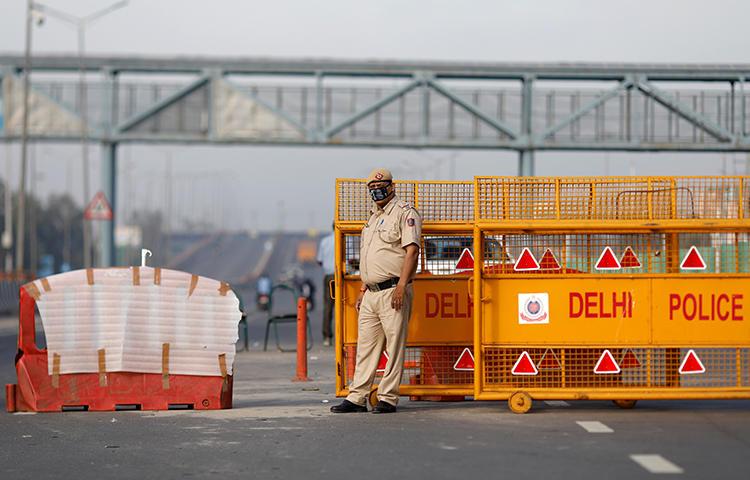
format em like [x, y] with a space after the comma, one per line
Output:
[691, 364]
[383, 361]
[526, 262]
[549, 361]
[607, 260]
[98, 208]
[524, 366]
[629, 259]
[548, 261]
[465, 362]
[629, 360]
[606, 364]
[693, 260]
[465, 261]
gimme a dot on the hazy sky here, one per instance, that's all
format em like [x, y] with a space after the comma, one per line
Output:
[242, 187]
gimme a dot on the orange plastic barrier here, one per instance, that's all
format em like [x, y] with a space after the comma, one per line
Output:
[38, 391]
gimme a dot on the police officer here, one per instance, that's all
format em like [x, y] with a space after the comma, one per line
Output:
[389, 250]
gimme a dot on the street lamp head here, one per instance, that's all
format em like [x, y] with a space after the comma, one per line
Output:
[38, 17]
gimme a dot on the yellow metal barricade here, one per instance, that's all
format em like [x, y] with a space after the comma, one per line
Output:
[441, 325]
[585, 288]
[619, 288]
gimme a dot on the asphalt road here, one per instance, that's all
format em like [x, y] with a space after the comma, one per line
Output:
[283, 429]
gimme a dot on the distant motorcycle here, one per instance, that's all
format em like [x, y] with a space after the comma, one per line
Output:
[307, 290]
[263, 293]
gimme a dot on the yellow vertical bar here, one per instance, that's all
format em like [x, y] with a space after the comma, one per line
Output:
[477, 293]
[673, 199]
[741, 199]
[477, 287]
[557, 199]
[650, 199]
[338, 286]
[416, 195]
[336, 216]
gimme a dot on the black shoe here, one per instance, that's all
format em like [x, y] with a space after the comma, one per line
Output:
[384, 407]
[348, 407]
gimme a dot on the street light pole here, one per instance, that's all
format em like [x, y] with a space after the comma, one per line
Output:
[21, 227]
[81, 23]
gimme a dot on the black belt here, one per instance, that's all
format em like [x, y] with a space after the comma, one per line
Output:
[390, 283]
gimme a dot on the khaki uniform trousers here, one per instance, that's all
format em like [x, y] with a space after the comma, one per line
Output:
[380, 324]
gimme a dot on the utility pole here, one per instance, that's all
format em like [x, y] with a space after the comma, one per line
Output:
[21, 228]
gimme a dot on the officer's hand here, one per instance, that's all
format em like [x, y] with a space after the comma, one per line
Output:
[397, 300]
[359, 299]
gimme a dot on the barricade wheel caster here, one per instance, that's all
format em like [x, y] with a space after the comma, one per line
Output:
[373, 398]
[519, 402]
[625, 404]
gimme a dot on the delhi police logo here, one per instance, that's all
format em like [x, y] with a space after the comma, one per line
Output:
[532, 308]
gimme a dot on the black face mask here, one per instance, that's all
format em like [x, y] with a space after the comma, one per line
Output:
[379, 194]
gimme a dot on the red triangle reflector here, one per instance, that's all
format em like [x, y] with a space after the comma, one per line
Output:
[465, 261]
[549, 361]
[465, 362]
[606, 364]
[607, 260]
[548, 261]
[383, 362]
[526, 262]
[691, 364]
[693, 260]
[524, 366]
[629, 259]
[630, 360]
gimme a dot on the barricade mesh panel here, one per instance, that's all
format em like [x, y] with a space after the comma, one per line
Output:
[446, 201]
[640, 367]
[612, 198]
[437, 202]
[423, 365]
[635, 253]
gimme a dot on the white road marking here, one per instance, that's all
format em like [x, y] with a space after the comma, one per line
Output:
[557, 403]
[656, 463]
[274, 428]
[594, 427]
[447, 447]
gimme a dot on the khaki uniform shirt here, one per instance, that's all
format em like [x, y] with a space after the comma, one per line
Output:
[384, 237]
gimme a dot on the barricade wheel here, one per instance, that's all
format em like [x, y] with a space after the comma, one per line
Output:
[625, 404]
[519, 402]
[373, 398]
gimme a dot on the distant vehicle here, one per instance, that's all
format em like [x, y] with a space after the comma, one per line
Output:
[442, 253]
[307, 251]
[263, 292]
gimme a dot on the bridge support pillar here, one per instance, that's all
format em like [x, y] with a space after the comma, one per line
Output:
[106, 251]
[526, 167]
